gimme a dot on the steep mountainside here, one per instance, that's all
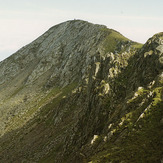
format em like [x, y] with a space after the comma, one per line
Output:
[82, 93]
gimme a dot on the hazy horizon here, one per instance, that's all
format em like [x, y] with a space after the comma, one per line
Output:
[23, 21]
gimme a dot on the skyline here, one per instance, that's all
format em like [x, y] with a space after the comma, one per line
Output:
[23, 21]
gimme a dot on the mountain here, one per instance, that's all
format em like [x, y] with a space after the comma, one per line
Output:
[82, 93]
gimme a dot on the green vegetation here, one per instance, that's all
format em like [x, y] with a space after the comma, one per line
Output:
[112, 40]
[143, 143]
[56, 96]
[43, 120]
[157, 99]
[160, 35]
[137, 45]
[113, 117]
[45, 104]
[50, 158]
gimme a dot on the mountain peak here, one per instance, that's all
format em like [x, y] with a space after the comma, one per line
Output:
[72, 41]
[82, 92]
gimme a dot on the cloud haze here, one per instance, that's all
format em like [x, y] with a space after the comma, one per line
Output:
[23, 21]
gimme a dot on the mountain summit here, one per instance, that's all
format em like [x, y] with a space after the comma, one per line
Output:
[82, 92]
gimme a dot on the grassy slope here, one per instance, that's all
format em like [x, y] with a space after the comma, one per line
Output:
[137, 134]
[111, 41]
[30, 141]
[143, 141]
[39, 133]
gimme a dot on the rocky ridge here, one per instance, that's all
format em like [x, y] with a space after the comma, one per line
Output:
[82, 92]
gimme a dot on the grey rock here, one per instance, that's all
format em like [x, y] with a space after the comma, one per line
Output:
[69, 85]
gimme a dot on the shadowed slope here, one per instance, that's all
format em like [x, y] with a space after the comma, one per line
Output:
[77, 82]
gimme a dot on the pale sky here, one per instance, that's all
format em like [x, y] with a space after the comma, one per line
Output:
[22, 21]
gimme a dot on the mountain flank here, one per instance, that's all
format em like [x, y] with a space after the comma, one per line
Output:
[82, 93]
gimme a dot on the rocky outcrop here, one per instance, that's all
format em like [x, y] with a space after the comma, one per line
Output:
[81, 93]
[61, 56]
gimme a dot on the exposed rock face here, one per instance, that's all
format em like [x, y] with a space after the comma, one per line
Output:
[62, 48]
[60, 56]
[80, 93]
